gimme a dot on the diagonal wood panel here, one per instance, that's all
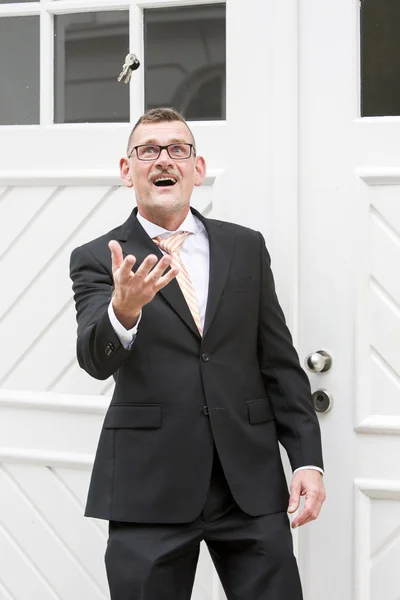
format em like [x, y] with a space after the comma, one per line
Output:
[383, 327]
[64, 515]
[385, 318]
[77, 483]
[3, 191]
[50, 289]
[74, 380]
[19, 573]
[385, 200]
[39, 304]
[5, 594]
[385, 253]
[385, 386]
[18, 210]
[33, 529]
[45, 238]
[39, 353]
[385, 547]
[386, 570]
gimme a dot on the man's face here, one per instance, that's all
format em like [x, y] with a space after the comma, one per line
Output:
[153, 197]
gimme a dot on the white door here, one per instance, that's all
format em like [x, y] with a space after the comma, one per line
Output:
[349, 291]
[64, 124]
[316, 167]
[349, 288]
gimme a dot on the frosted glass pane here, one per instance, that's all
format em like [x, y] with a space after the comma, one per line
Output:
[89, 51]
[185, 64]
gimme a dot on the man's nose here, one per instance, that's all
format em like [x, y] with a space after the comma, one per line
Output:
[164, 158]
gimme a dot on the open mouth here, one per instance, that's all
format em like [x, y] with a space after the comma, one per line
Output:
[164, 181]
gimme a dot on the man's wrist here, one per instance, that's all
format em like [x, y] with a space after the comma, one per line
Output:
[127, 319]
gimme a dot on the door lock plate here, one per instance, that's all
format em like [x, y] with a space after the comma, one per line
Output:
[322, 401]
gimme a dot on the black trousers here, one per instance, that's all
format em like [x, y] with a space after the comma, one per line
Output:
[252, 555]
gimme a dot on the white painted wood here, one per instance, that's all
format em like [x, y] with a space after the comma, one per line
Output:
[46, 68]
[31, 528]
[20, 9]
[385, 424]
[74, 403]
[19, 573]
[68, 460]
[379, 175]
[76, 178]
[349, 228]
[51, 496]
[334, 239]
[17, 210]
[377, 538]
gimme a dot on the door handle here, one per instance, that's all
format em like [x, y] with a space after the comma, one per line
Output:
[319, 362]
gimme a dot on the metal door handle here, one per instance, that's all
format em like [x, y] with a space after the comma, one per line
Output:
[319, 362]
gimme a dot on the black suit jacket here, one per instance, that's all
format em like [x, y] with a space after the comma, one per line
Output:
[239, 387]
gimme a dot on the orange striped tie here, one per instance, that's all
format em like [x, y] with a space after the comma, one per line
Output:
[172, 245]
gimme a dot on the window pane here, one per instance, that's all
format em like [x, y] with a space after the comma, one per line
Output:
[185, 64]
[380, 58]
[89, 51]
[19, 70]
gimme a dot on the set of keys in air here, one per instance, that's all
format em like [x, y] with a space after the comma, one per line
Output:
[131, 64]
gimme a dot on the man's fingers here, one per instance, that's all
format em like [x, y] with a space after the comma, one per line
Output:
[146, 266]
[294, 500]
[311, 510]
[165, 279]
[156, 272]
[309, 520]
[116, 255]
[304, 516]
[126, 267]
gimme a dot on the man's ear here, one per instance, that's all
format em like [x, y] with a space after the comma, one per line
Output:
[125, 170]
[200, 170]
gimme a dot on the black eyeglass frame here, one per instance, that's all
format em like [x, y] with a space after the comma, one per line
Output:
[161, 148]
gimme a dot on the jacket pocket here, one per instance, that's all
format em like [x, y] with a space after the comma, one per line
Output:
[133, 416]
[259, 411]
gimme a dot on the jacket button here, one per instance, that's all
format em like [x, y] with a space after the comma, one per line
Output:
[109, 349]
[205, 357]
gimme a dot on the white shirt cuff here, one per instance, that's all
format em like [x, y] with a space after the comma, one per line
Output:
[309, 467]
[126, 336]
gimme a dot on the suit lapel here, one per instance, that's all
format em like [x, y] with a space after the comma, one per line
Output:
[221, 251]
[134, 240]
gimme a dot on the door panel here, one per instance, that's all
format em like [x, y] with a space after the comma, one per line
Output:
[349, 303]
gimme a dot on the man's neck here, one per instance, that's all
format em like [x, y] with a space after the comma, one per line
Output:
[168, 222]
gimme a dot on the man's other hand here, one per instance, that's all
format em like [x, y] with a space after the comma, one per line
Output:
[308, 483]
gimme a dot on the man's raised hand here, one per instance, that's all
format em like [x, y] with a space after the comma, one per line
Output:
[133, 290]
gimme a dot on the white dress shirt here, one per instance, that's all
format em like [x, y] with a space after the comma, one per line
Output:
[195, 255]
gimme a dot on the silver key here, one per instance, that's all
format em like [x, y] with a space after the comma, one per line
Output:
[130, 61]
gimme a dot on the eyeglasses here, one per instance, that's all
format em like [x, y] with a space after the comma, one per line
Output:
[153, 151]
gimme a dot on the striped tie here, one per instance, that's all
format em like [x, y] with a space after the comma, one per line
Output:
[172, 245]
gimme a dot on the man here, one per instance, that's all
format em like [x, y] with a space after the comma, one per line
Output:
[182, 311]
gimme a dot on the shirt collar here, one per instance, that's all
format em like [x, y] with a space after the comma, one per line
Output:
[189, 224]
